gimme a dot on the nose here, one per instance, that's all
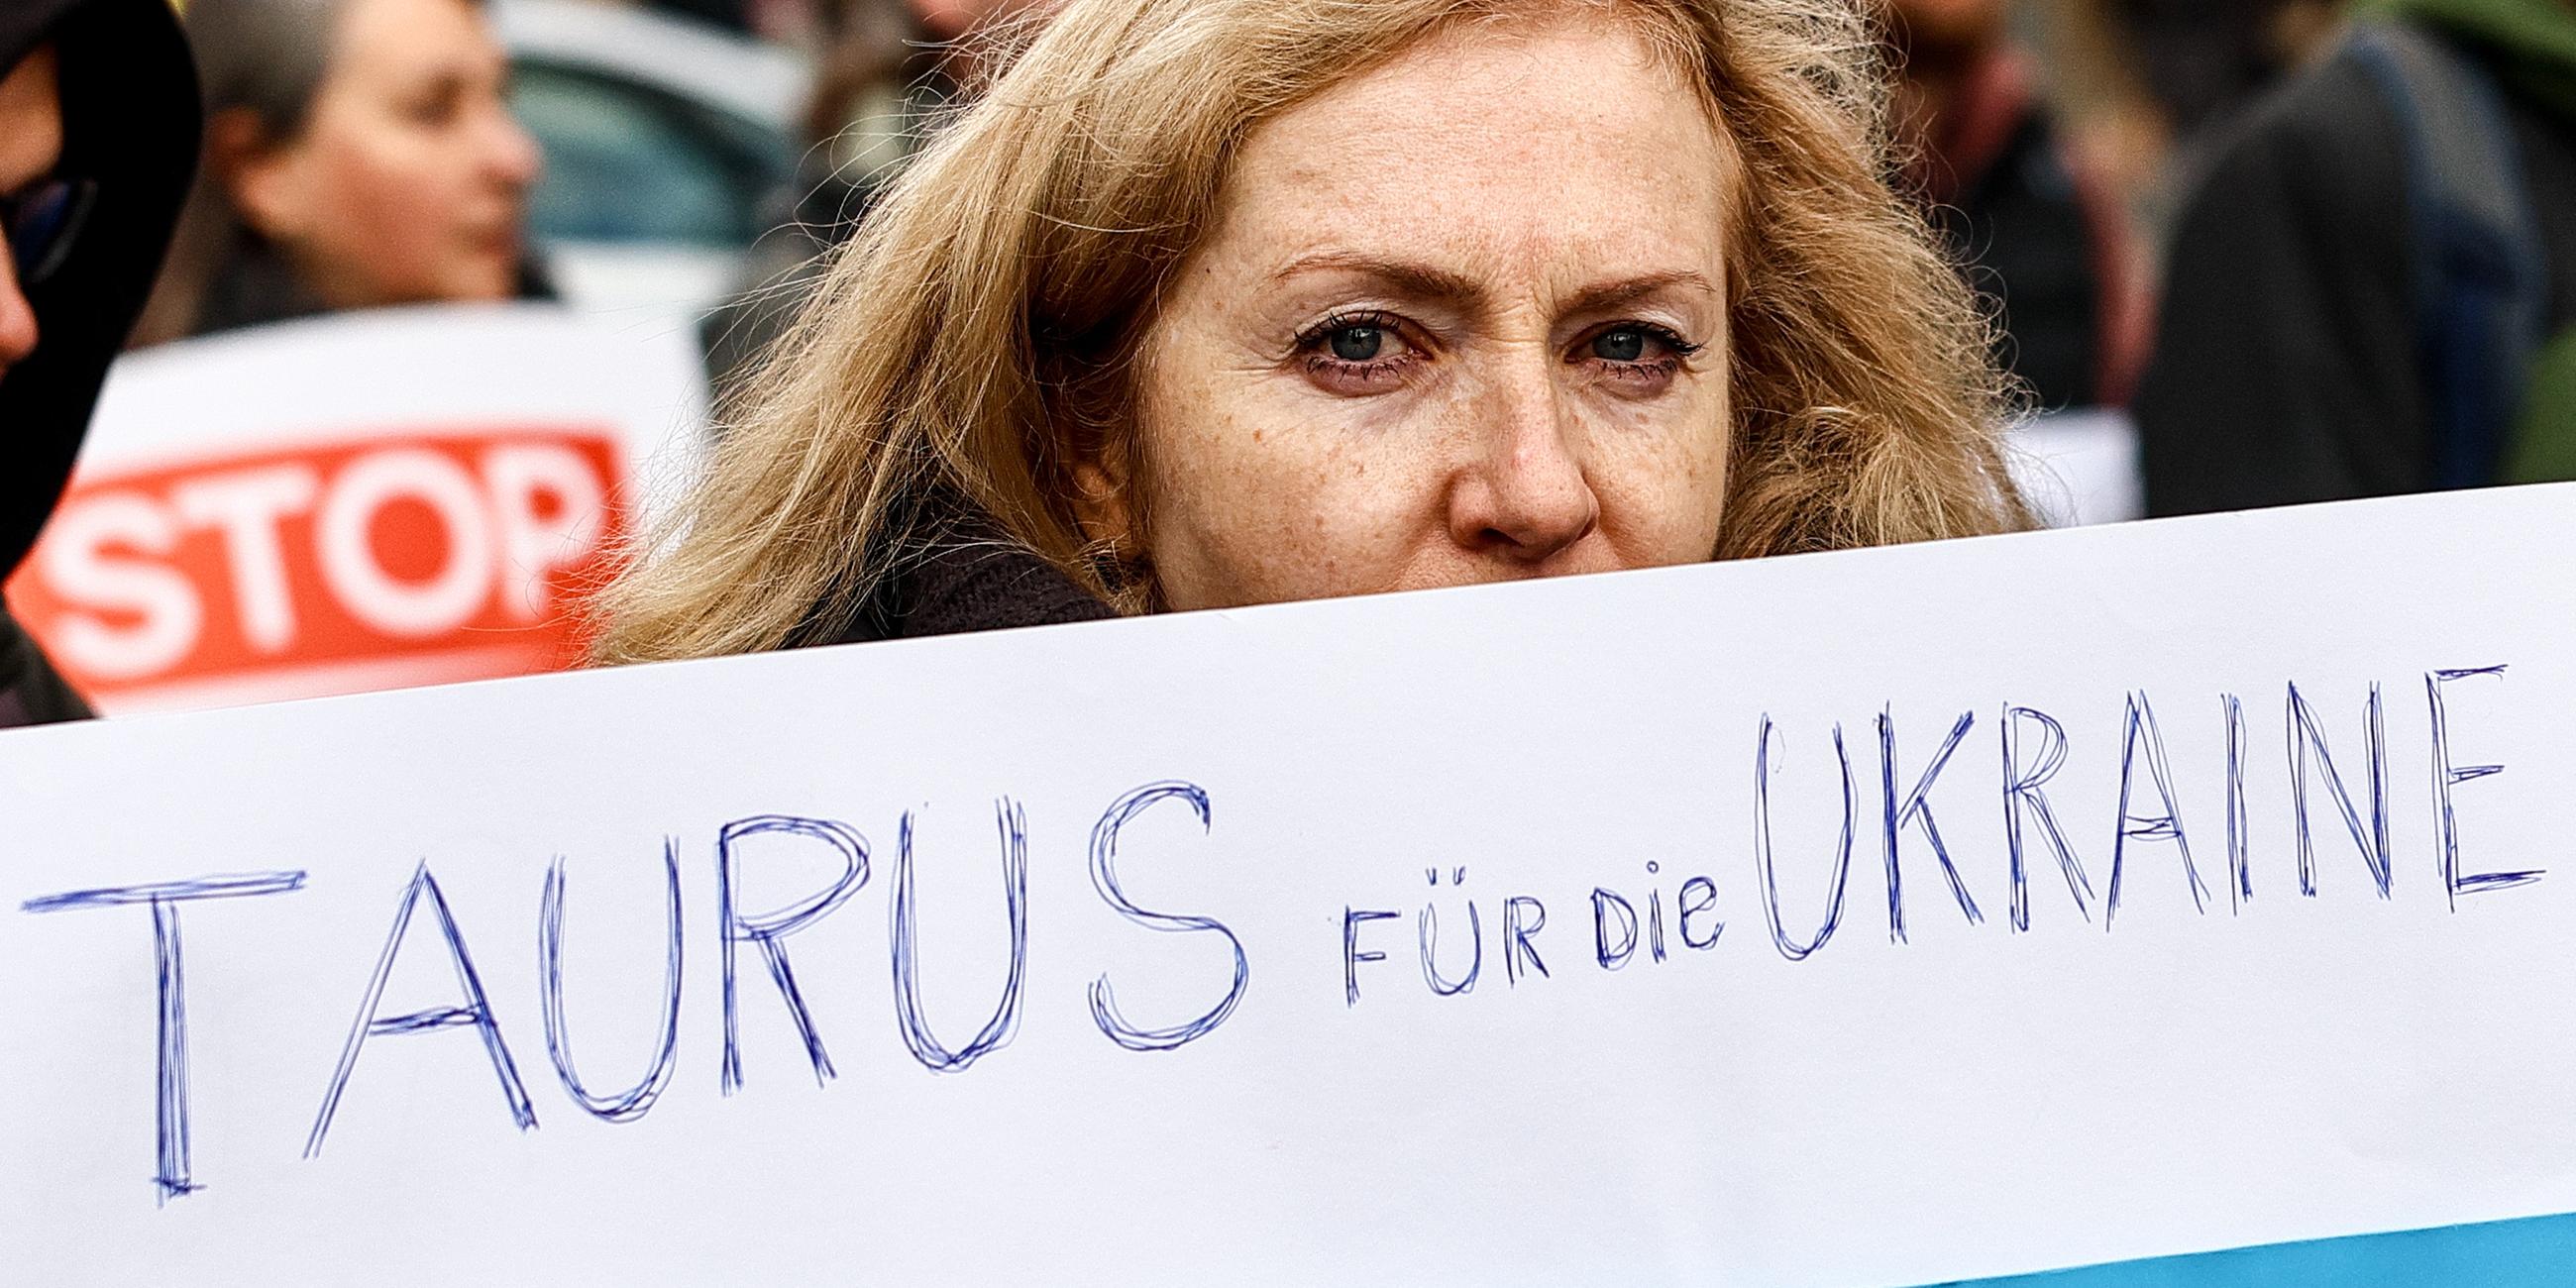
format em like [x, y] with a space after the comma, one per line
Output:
[510, 155]
[1527, 497]
[17, 318]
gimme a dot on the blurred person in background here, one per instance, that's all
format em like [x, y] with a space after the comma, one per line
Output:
[2041, 230]
[2374, 290]
[888, 67]
[359, 153]
[98, 136]
[2205, 60]
[1223, 302]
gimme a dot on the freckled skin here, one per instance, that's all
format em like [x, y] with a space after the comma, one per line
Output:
[1497, 210]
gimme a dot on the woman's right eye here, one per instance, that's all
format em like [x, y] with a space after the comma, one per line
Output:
[1358, 343]
[1357, 354]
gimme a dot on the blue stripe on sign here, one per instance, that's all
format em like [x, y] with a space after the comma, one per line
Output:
[2529, 1253]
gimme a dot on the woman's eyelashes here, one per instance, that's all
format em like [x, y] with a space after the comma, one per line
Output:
[1633, 357]
[1372, 352]
[1357, 352]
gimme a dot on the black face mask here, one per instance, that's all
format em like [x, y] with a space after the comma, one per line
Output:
[43, 221]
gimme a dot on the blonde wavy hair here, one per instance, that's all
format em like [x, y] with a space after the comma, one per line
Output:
[972, 339]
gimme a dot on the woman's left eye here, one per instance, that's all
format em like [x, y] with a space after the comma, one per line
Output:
[1637, 357]
[1631, 343]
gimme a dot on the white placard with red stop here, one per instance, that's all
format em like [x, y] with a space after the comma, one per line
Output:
[354, 502]
[1883, 917]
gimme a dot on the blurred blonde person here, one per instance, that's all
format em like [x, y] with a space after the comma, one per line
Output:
[1217, 302]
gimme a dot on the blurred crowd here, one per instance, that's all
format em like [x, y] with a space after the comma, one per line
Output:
[2225, 215]
[2311, 250]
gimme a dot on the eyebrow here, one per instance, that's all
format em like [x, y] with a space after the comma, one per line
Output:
[1432, 283]
[1412, 279]
[1611, 295]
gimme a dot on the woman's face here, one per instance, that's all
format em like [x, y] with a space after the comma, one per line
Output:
[1462, 319]
[410, 178]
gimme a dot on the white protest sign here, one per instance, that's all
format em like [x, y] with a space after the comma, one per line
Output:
[359, 501]
[1879, 917]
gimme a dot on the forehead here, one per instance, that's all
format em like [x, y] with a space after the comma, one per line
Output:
[384, 38]
[1569, 141]
[31, 120]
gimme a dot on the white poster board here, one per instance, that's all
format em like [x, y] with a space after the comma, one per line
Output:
[1881, 917]
[358, 501]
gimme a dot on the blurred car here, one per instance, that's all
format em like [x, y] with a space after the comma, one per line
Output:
[2080, 466]
[667, 145]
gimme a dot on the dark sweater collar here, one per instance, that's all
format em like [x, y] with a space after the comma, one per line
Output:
[970, 579]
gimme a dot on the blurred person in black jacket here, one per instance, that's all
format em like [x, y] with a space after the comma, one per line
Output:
[2038, 227]
[2206, 60]
[98, 137]
[2372, 290]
